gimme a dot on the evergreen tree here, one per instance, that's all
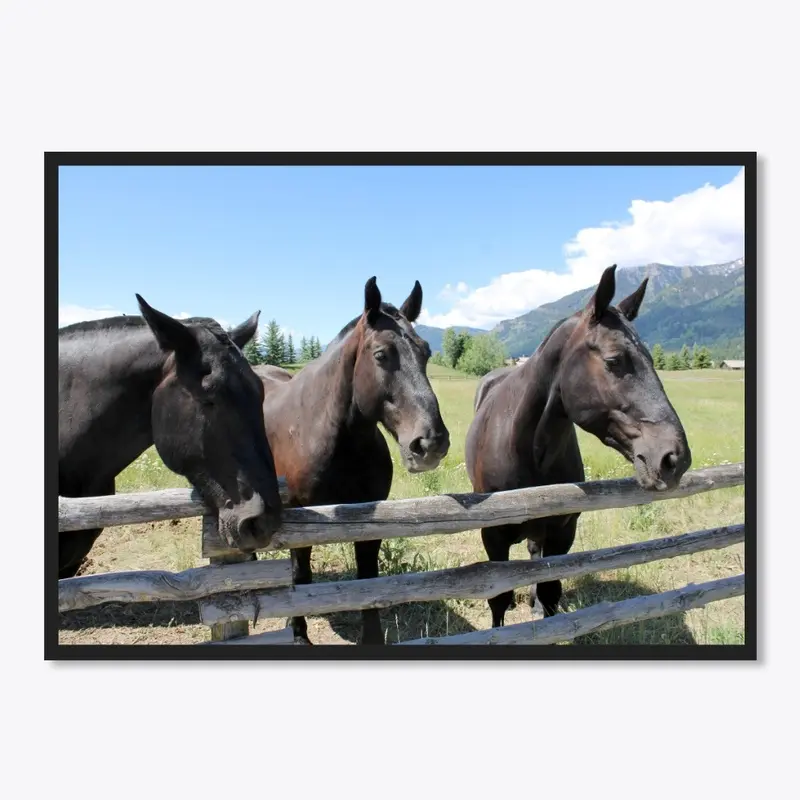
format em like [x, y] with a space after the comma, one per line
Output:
[659, 359]
[686, 360]
[314, 348]
[702, 359]
[674, 362]
[273, 344]
[252, 352]
[305, 353]
[290, 355]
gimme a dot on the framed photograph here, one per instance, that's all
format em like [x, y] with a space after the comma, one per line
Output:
[400, 406]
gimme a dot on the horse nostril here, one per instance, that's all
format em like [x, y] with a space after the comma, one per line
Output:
[415, 446]
[247, 534]
[669, 463]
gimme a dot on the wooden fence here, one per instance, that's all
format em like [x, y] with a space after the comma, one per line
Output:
[233, 592]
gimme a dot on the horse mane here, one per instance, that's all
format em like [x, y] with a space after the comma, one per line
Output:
[123, 322]
[386, 308]
[550, 333]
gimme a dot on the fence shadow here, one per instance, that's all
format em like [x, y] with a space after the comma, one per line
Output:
[403, 622]
[399, 622]
[589, 590]
[161, 614]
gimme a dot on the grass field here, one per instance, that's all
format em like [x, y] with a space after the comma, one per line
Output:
[711, 406]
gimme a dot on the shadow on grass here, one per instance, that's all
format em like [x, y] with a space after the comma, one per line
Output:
[589, 590]
[131, 615]
[400, 622]
[404, 622]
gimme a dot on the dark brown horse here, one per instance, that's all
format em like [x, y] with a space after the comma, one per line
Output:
[322, 424]
[592, 370]
[127, 382]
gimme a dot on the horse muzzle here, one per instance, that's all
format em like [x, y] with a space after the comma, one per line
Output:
[660, 468]
[250, 524]
[425, 453]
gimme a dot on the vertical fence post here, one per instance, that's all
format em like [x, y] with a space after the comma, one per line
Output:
[222, 631]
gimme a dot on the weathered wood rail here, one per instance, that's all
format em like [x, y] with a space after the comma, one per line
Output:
[232, 592]
[600, 617]
[477, 581]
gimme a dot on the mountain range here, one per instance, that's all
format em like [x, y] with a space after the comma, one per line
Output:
[701, 305]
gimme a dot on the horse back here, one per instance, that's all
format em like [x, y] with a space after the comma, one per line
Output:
[271, 375]
[488, 382]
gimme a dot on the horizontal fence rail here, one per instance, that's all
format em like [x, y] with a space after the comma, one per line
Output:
[478, 581]
[192, 584]
[455, 513]
[449, 513]
[600, 617]
[134, 508]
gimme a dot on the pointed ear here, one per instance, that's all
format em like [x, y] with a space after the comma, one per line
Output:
[243, 333]
[372, 299]
[601, 299]
[629, 307]
[413, 304]
[170, 334]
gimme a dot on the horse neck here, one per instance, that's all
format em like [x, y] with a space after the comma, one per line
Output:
[540, 416]
[329, 384]
[112, 425]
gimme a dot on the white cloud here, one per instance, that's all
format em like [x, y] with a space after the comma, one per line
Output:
[705, 226]
[70, 314]
[182, 315]
[449, 291]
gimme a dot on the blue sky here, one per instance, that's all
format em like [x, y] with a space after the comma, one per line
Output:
[486, 243]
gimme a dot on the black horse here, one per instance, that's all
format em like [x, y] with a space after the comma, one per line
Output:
[322, 424]
[592, 370]
[126, 383]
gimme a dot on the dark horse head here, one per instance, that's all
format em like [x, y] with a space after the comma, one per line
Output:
[609, 387]
[208, 424]
[390, 384]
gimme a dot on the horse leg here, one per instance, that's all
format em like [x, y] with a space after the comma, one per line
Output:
[535, 553]
[367, 567]
[74, 546]
[301, 574]
[497, 543]
[557, 542]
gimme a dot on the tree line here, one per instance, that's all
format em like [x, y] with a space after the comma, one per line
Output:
[697, 358]
[473, 354]
[272, 347]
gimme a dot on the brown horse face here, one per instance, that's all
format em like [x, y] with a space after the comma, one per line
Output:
[610, 388]
[208, 425]
[390, 382]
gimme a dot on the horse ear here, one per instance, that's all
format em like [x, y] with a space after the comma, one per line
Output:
[601, 299]
[372, 299]
[243, 333]
[413, 304]
[170, 334]
[629, 307]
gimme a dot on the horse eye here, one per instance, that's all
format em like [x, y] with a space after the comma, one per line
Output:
[380, 355]
[612, 362]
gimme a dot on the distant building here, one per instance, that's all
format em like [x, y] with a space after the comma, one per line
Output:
[731, 364]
